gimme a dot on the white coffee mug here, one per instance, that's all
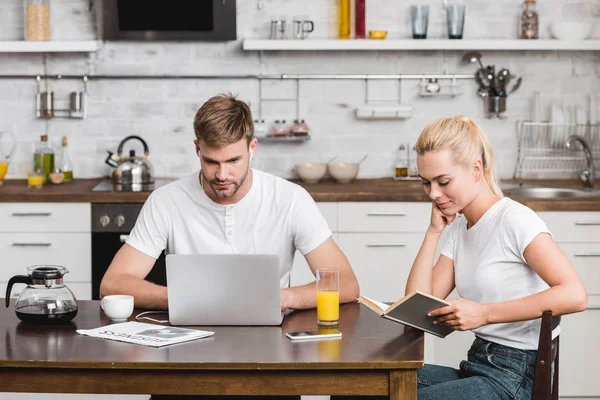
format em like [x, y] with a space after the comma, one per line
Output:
[117, 307]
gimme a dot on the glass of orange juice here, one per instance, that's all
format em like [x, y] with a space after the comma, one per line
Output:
[328, 296]
[3, 169]
[35, 179]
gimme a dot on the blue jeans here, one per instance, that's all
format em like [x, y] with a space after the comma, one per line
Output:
[492, 372]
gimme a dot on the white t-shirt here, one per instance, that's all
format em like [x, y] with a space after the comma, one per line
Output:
[489, 266]
[275, 217]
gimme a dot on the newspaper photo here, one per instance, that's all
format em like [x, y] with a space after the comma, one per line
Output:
[145, 334]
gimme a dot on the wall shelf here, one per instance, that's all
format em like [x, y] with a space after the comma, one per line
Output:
[54, 46]
[410, 44]
[282, 139]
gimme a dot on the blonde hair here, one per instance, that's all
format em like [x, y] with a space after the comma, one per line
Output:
[465, 139]
[223, 120]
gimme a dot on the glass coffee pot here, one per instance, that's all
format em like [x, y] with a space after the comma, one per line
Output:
[46, 299]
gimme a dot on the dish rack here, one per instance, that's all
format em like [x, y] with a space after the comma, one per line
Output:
[541, 149]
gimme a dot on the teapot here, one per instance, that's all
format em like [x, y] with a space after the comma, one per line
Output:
[46, 299]
[133, 170]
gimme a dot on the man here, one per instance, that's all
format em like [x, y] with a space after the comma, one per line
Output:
[227, 207]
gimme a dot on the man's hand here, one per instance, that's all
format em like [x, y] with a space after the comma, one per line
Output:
[285, 295]
[461, 315]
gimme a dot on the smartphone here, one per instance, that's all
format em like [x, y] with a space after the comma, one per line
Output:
[314, 335]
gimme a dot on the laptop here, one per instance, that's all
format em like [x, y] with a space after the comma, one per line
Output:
[223, 289]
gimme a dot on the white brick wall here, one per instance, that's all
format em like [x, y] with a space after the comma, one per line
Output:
[162, 111]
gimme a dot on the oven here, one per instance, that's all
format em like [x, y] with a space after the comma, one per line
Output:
[111, 224]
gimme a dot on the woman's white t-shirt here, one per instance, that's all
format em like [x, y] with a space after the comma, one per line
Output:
[275, 217]
[489, 266]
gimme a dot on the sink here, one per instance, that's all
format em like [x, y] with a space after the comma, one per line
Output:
[540, 192]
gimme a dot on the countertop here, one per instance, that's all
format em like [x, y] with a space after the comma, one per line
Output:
[380, 189]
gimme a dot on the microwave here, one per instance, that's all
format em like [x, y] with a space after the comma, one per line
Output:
[166, 20]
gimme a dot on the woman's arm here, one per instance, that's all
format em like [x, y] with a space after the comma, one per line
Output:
[566, 293]
[424, 276]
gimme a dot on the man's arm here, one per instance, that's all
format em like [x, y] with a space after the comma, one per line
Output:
[126, 274]
[327, 255]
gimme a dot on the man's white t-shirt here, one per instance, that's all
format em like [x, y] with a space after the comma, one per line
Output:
[489, 266]
[275, 217]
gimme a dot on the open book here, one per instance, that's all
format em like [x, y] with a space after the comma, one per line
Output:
[145, 334]
[411, 310]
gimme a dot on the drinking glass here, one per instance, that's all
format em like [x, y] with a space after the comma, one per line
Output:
[455, 14]
[328, 296]
[419, 15]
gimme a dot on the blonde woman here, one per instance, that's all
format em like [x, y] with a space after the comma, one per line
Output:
[500, 257]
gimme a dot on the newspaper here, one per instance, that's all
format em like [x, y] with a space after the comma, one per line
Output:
[145, 334]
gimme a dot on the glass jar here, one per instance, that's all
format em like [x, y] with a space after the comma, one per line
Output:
[37, 19]
[401, 163]
[529, 24]
[344, 19]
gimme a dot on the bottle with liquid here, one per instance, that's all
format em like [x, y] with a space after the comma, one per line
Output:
[344, 19]
[43, 158]
[401, 164]
[360, 9]
[529, 24]
[65, 165]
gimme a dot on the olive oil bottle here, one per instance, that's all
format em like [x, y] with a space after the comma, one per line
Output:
[43, 158]
[65, 164]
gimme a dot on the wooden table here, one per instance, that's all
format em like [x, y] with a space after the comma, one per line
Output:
[374, 357]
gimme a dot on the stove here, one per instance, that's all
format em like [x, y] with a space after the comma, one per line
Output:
[108, 186]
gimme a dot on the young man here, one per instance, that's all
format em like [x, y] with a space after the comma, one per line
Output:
[227, 208]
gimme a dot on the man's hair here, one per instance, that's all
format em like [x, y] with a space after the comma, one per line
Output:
[223, 120]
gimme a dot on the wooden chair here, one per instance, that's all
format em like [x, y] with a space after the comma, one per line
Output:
[544, 386]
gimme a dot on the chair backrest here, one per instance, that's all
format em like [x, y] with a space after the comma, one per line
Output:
[545, 387]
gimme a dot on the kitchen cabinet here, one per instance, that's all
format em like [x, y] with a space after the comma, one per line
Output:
[47, 233]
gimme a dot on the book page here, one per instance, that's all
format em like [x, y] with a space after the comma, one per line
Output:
[382, 306]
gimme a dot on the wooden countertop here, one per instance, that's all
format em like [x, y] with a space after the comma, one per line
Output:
[380, 189]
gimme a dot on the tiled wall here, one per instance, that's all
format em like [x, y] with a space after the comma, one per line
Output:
[161, 111]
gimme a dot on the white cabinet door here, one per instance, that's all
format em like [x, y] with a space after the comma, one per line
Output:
[579, 346]
[586, 260]
[384, 217]
[573, 227]
[70, 250]
[381, 261]
[45, 217]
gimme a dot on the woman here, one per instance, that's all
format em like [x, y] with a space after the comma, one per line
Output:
[500, 257]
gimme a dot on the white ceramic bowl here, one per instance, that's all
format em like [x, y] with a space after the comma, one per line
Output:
[343, 172]
[571, 30]
[311, 172]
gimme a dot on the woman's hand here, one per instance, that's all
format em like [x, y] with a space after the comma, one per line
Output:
[439, 221]
[461, 315]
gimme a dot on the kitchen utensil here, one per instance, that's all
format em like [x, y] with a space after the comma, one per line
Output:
[301, 27]
[482, 92]
[473, 56]
[277, 29]
[481, 77]
[516, 85]
[504, 78]
[363, 159]
[133, 171]
[46, 299]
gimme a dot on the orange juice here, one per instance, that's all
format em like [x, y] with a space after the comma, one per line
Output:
[3, 170]
[328, 307]
[35, 181]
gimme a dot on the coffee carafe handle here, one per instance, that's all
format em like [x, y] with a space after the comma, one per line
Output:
[26, 279]
[120, 149]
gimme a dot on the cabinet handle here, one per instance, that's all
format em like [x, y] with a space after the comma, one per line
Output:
[31, 244]
[386, 245]
[31, 214]
[387, 214]
[590, 254]
[587, 222]
[123, 238]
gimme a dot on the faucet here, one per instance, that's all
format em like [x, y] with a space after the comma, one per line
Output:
[587, 176]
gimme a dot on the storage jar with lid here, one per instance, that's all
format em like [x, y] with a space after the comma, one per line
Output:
[37, 19]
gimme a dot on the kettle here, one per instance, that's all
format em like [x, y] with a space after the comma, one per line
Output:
[133, 171]
[46, 299]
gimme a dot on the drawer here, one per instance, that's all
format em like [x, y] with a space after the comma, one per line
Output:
[384, 217]
[381, 261]
[586, 259]
[330, 212]
[45, 217]
[82, 290]
[573, 226]
[71, 250]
